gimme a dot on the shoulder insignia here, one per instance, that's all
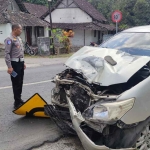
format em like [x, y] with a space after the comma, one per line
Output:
[8, 42]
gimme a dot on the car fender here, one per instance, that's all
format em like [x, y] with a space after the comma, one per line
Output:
[140, 110]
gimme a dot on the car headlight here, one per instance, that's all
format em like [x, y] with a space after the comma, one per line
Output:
[112, 111]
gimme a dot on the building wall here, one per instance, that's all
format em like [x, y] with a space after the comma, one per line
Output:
[88, 37]
[5, 30]
[23, 35]
[69, 15]
[93, 37]
[78, 39]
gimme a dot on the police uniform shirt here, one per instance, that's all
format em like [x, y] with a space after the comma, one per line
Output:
[13, 49]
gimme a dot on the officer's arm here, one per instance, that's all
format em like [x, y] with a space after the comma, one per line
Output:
[8, 48]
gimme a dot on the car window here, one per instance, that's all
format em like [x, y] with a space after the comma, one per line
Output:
[133, 43]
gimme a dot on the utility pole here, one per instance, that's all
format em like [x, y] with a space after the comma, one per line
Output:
[51, 24]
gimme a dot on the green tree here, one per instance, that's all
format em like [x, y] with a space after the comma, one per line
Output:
[135, 12]
[142, 12]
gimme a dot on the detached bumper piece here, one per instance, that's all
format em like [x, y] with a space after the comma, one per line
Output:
[61, 117]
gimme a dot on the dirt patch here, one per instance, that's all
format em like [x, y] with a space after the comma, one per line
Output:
[67, 143]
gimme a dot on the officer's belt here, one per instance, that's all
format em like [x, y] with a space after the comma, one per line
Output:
[17, 59]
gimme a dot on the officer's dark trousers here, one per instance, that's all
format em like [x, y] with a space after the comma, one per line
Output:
[17, 82]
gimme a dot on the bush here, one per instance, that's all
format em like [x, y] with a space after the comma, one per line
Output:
[59, 37]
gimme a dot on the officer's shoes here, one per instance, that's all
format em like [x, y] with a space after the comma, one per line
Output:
[18, 105]
[22, 102]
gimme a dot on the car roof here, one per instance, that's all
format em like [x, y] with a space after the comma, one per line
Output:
[138, 29]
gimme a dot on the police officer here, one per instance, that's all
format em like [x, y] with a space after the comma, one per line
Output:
[14, 57]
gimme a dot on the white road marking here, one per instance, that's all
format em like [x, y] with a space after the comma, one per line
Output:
[8, 87]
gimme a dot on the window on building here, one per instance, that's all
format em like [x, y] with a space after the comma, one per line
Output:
[40, 31]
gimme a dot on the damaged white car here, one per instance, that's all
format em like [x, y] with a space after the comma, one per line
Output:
[104, 94]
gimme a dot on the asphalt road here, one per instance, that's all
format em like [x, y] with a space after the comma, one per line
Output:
[22, 133]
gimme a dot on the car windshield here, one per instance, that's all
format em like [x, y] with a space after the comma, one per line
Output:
[132, 43]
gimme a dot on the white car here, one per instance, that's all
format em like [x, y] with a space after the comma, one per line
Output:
[104, 94]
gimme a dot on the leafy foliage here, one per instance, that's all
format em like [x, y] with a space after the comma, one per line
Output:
[62, 39]
[135, 12]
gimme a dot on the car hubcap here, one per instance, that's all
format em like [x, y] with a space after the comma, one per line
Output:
[143, 143]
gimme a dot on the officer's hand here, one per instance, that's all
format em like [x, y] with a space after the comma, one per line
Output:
[25, 66]
[10, 70]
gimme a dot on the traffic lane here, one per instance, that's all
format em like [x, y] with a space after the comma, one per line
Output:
[34, 74]
[17, 132]
[42, 73]
[21, 133]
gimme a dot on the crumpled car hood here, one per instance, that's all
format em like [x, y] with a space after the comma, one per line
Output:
[91, 63]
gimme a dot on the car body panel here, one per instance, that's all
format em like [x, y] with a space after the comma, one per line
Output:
[90, 61]
[140, 111]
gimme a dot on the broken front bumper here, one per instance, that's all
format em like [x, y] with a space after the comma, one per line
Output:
[77, 119]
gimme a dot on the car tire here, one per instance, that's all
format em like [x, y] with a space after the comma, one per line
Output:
[143, 143]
